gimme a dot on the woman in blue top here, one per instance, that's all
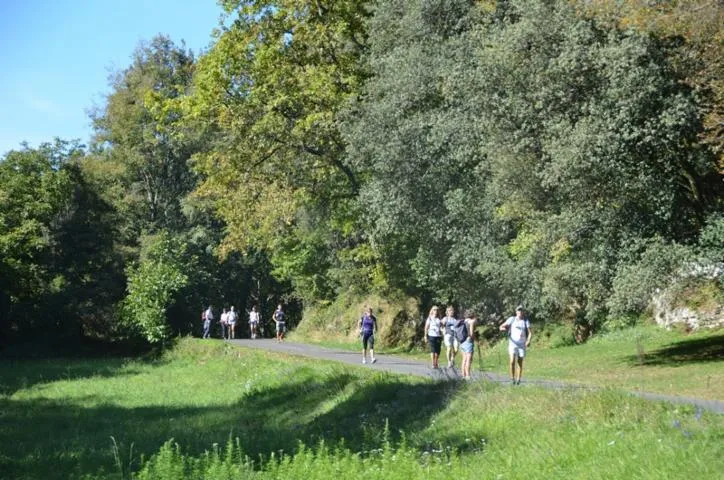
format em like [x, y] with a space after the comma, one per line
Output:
[451, 343]
[367, 326]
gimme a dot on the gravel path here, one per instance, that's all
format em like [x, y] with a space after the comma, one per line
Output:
[408, 366]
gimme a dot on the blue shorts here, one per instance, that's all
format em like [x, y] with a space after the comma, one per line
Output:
[467, 346]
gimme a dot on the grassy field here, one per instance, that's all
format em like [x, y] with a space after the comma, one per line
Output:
[234, 413]
[643, 358]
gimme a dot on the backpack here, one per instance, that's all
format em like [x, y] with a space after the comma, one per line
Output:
[461, 331]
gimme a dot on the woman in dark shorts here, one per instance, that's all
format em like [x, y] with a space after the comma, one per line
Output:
[367, 326]
[433, 334]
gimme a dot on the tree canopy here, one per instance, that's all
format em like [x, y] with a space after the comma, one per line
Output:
[564, 154]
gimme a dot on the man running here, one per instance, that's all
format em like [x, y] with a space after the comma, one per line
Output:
[519, 335]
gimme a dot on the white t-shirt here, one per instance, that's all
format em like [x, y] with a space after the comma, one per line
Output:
[433, 327]
[224, 317]
[518, 329]
[231, 317]
[253, 317]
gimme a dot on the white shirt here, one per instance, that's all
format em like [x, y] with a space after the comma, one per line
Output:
[253, 317]
[433, 327]
[518, 328]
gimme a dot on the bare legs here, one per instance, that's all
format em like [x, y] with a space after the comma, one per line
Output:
[514, 358]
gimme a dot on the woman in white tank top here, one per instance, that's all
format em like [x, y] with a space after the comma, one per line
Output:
[433, 334]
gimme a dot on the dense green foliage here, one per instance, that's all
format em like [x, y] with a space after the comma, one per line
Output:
[562, 154]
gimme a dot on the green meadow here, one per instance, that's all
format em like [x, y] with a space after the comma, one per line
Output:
[209, 410]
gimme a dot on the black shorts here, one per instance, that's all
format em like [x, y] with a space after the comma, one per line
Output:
[435, 344]
[368, 338]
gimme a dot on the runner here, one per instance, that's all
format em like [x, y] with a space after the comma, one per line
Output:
[367, 326]
[519, 335]
[254, 319]
[279, 318]
[433, 335]
[451, 343]
[231, 320]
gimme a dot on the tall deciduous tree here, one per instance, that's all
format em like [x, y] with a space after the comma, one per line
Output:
[269, 90]
[138, 127]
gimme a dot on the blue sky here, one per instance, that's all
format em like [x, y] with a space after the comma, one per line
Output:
[56, 56]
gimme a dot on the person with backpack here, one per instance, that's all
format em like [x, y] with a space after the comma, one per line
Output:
[464, 331]
[280, 322]
[207, 324]
[519, 335]
[367, 326]
[231, 320]
[451, 343]
[433, 335]
[208, 317]
[223, 320]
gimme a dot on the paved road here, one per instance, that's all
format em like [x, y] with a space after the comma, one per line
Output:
[408, 366]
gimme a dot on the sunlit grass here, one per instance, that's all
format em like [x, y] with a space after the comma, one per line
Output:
[106, 419]
[643, 358]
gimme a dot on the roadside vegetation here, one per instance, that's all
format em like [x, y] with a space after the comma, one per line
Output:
[209, 410]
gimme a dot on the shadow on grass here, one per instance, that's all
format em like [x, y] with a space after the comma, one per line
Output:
[21, 374]
[55, 439]
[699, 350]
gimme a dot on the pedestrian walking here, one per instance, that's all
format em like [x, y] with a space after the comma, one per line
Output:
[223, 320]
[231, 318]
[464, 332]
[519, 336]
[280, 320]
[208, 318]
[433, 335]
[367, 327]
[451, 343]
[254, 319]
[207, 324]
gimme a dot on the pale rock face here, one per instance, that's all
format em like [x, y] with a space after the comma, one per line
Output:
[666, 316]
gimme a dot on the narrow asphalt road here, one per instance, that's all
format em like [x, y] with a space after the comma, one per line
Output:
[402, 365]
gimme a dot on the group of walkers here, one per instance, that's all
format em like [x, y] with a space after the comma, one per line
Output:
[458, 334]
[229, 319]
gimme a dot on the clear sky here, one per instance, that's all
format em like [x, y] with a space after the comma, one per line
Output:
[56, 56]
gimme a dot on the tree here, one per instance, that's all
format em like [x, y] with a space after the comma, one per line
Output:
[520, 150]
[138, 126]
[58, 271]
[268, 92]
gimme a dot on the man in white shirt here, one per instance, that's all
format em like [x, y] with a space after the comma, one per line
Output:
[519, 335]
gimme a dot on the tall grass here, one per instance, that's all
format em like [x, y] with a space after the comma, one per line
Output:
[233, 413]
